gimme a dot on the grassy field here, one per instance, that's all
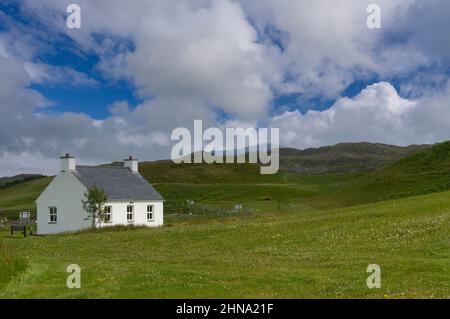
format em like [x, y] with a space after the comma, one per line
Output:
[240, 184]
[301, 236]
[421, 173]
[312, 254]
[223, 185]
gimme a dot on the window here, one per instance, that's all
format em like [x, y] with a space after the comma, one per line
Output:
[53, 216]
[130, 213]
[150, 213]
[108, 218]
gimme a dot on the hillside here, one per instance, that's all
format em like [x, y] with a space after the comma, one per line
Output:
[17, 179]
[309, 255]
[340, 158]
[283, 192]
[295, 241]
[344, 158]
[224, 185]
[21, 196]
[421, 173]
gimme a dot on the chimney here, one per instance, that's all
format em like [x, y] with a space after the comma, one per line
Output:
[131, 163]
[67, 163]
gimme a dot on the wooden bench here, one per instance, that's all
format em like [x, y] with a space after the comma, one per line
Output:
[19, 227]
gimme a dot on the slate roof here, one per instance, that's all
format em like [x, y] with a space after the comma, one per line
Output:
[119, 183]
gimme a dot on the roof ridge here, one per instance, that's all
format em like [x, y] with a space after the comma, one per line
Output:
[99, 166]
[117, 182]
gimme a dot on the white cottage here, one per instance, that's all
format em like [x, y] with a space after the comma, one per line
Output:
[131, 199]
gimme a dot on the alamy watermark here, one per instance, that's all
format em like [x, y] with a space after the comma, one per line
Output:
[374, 19]
[374, 280]
[235, 146]
[74, 279]
[73, 20]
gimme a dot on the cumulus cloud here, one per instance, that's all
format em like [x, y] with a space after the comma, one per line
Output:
[28, 136]
[203, 51]
[208, 55]
[235, 55]
[329, 44]
[224, 61]
[377, 114]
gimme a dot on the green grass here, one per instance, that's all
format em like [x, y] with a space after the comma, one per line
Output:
[11, 265]
[21, 197]
[422, 173]
[310, 192]
[311, 254]
[344, 157]
[302, 238]
[223, 185]
[169, 172]
[256, 191]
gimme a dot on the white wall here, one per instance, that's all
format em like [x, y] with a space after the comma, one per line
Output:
[119, 213]
[65, 192]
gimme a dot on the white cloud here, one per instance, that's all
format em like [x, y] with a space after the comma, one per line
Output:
[209, 52]
[28, 136]
[208, 55]
[202, 51]
[328, 45]
[221, 61]
[27, 163]
[377, 114]
[49, 74]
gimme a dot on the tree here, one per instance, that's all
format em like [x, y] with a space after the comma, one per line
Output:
[94, 205]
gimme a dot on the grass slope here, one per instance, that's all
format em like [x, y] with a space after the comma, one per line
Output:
[21, 197]
[344, 158]
[169, 172]
[224, 185]
[217, 185]
[313, 254]
[425, 172]
[17, 179]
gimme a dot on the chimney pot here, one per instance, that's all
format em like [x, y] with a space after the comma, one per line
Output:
[67, 163]
[131, 163]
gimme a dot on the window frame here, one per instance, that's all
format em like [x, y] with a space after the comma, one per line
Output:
[130, 212]
[110, 214]
[150, 213]
[52, 212]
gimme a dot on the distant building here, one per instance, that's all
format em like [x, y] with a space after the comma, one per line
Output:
[131, 199]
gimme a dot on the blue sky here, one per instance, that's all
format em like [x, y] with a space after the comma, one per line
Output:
[94, 100]
[123, 82]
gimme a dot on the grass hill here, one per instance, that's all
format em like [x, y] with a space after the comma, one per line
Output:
[297, 241]
[17, 179]
[344, 158]
[310, 255]
[214, 185]
[21, 196]
[168, 172]
[424, 172]
[340, 158]
[223, 185]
